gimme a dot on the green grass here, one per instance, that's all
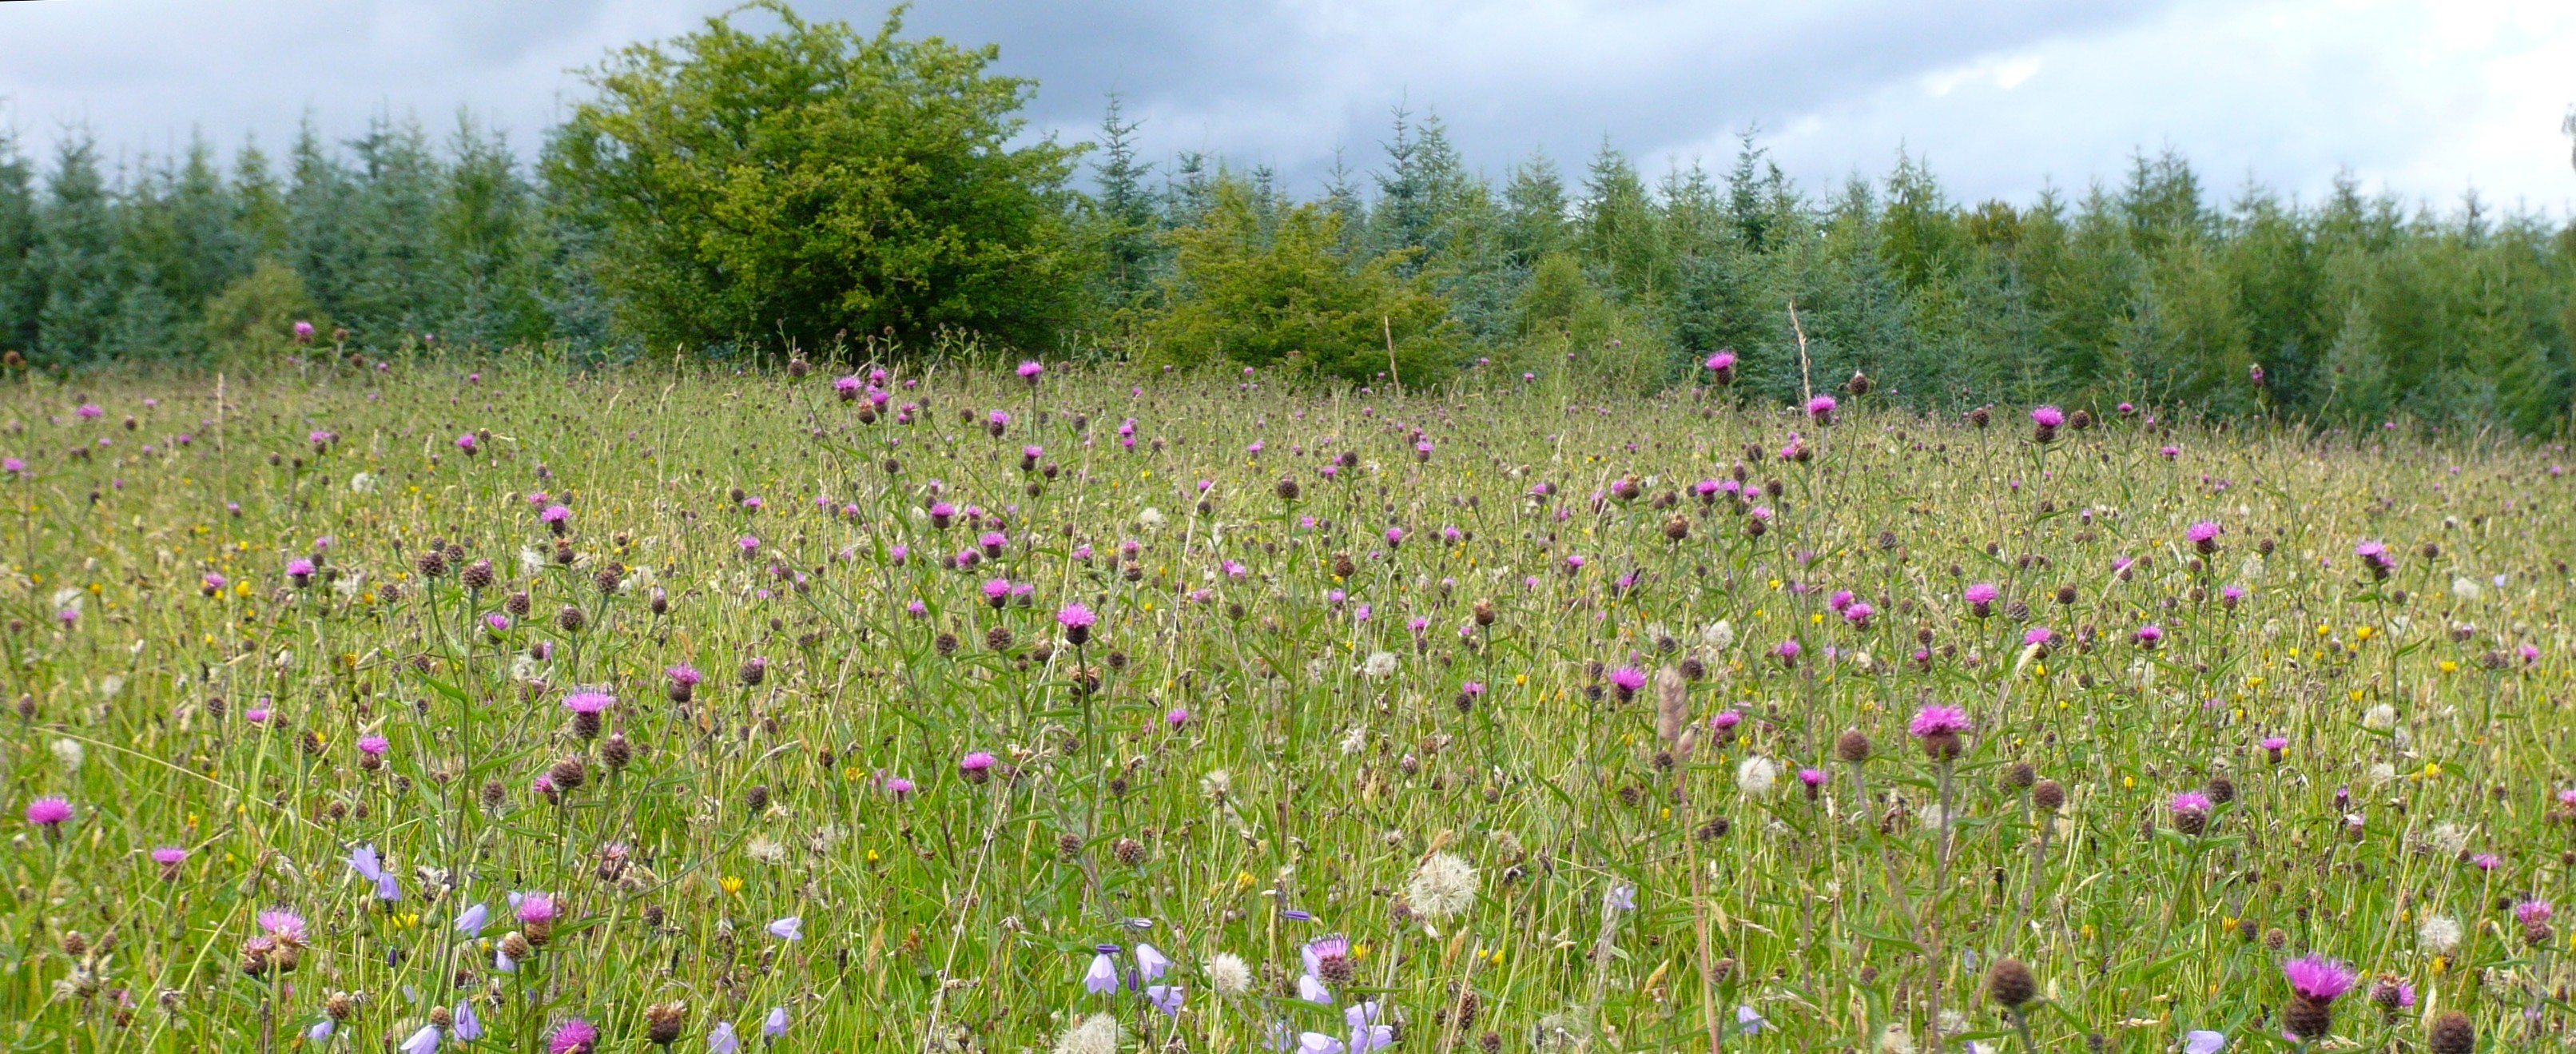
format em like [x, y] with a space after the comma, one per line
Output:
[1307, 776]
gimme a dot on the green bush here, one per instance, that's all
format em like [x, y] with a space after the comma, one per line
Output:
[253, 319]
[1289, 297]
[813, 180]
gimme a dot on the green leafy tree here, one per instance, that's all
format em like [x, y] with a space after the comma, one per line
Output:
[811, 180]
[1289, 298]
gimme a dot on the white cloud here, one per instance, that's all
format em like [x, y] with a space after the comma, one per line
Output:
[2427, 98]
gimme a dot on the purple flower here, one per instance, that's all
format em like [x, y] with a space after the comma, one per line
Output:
[374, 745]
[2038, 637]
[555, 514]
[1982, 596]
[1030, 370]
[1166, 998]
[2048, 417]
[282, 925]
[49, 812]
[1077, 621]
[2533, 912]
[2318, 979]
[536, 908]
[2203, 536]
[1102, 977]
[1628, 679]
[1822, 408]
[790, 928]
[169, 857]
[589, 702]
[2149, 635]
[1721, 362]
[1938, 720]
[573, 1037]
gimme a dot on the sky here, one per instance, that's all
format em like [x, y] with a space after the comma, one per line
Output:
[2424, 99]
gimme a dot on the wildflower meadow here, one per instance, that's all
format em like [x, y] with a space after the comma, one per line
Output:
[506, 705]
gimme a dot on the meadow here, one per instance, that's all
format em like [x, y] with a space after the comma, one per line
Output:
[503, 705]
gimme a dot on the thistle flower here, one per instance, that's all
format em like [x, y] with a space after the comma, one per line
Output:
[976, 766]
[49, 812]
[2046, 420]
[1938, 728]
[1821, 408]
[1981, 598]
[1626, 680]
[2010, 983]
[169, 857]
[573, 1037]
[283, 926]
[1722, 365]
[2316, 983]
[2203, 536]
[1077, 621]
[2190, 810]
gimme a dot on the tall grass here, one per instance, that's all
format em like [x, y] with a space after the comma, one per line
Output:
[1539, 758]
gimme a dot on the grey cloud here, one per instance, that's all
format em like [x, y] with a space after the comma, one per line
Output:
[2286, 91]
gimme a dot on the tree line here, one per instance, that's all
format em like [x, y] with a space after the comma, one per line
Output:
[815, 188]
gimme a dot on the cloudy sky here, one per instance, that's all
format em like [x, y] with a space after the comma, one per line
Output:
[2424, 98]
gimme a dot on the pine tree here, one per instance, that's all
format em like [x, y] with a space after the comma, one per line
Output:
[22, 290]
[1123, 220]
[75, 255]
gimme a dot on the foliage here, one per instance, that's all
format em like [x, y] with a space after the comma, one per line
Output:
[313, 639]
[252, 321]
[812, 180]
[1287, 297]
